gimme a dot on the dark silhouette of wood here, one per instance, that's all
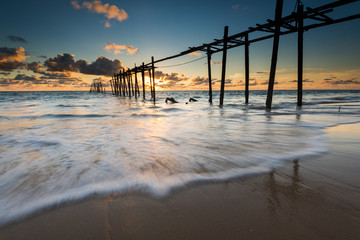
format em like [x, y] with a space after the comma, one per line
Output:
[111, 85]
[289, 24]
[132, 84]
[150, 84]
[300, 54]
[128, 82]
[153, 77]
[136, 84]
[171, 100]
[118, 84]
[222, 88]
[208, 51]
[247, 73]
[278, 12]
[143, 79]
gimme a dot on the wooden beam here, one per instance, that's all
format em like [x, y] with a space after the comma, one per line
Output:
[222, 89]
[278, 12]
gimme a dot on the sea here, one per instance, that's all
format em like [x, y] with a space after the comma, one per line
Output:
[62, 147]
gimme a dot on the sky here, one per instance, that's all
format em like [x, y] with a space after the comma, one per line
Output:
[69, 44]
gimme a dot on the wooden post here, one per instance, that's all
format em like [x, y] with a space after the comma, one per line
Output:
[223, 66]
[131, 82]
[119, 83]
[247, 71]
[208, 52]
[153, 77]
[278, 12]
[300, 53]
[143, 79]
[124, 83]
[136, 84]
[128, 81]
[113, 80]
[150, 83]
[111, 85]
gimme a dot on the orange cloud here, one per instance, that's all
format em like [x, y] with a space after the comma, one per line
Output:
[195, 54]
[110, 11]
[11, 58]
[13, 55]
[116, 49]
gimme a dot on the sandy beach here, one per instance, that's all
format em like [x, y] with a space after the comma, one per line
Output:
[314, 198]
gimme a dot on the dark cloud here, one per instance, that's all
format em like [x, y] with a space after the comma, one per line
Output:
[7, 82]
[30, 79]
[9, 66]
[199, 81]
[60, 63]
[16, 39]
[102, 66]
[267, 82]
[36, 67]
[343, 82]
[65, 62]
[5, 73]
[42, 56]
[11, 58]
[304, 80]
[261, 72]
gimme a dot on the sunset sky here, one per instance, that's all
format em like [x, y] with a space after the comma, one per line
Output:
[66, 45]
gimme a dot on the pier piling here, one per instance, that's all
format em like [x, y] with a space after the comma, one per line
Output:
[278, 12]
[226, 29]
[208, 52]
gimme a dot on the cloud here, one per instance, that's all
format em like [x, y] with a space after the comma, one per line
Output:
[102, 66]
[11, 58]
[235, 7]
[116, 49]
[16, 39]
[30, 79]
[194, 54]
[60, 63]
[66, 63]
[107, 24]
[75, 4]
[304, 80]
[170, 80]
[343, 82]
[7, 82]
[36, 67]
[110, 11]
[199, 81]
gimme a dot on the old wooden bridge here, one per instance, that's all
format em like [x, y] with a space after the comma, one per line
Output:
[124, 84]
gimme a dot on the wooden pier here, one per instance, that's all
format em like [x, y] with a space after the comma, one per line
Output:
[272, 29]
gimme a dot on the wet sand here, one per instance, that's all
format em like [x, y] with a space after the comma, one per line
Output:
[314, 198]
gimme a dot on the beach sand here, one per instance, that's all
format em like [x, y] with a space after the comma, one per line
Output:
[314, 198]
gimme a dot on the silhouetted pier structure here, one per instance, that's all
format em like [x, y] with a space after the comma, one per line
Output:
[122, 82]
[97, 87]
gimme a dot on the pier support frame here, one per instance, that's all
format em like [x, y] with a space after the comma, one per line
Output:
[278, 13]
[222, 88]
[300, 54]
[208, 52]
[247, 73]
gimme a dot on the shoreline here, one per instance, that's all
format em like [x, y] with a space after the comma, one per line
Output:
[314, 198]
